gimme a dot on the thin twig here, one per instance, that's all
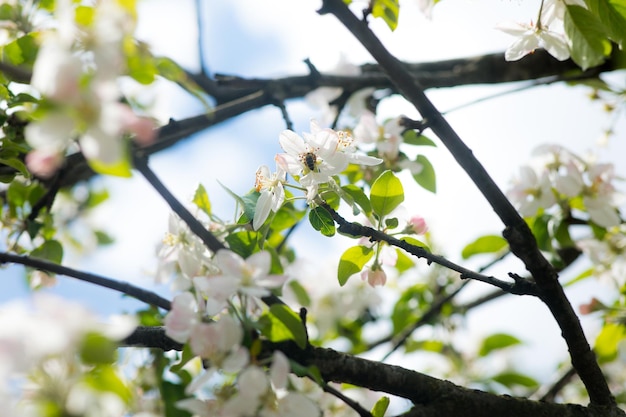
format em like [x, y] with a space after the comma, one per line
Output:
[561, 383]
[349, 401]
[140, 294]
[520, 286]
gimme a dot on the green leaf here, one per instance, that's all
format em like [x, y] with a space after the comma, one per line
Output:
[412, 138]
[539, 227]
[391, 223]
[103, 238]
[389, 10]
[16, 164]
[243, 243]
[201, 199]
[588, 37]
[415, 242]
[510, 379]
[426, 177]
[120, 168]
[97, 349]
[359, 197]
[608, 340]
[496, 342]
[435, 346]
[96, 198]
[352, 261]
[322, 221]
[404, 263]
[22, 51]
[302, 295]
[171, 71]
[484, 244]
[283, 324]
[50, 250]
[585, 274]
[103, 378]
[380, 407]
[612, 13]
[387, 193]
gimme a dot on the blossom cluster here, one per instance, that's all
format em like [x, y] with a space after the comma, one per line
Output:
[41, 348]
[312, 160]
[76, 72]
[560, 178]
[218, 293]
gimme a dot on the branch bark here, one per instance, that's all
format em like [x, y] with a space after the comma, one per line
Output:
[430, 396]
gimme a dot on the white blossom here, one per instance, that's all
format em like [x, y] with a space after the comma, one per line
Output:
[272, 193]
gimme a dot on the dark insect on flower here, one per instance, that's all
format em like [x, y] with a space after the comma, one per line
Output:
[309, 160]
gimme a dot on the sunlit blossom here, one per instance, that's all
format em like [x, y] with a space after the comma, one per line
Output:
[530, 37]
[315, 157]
[272, 193]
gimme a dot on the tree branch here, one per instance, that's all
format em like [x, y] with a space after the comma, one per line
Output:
[430, 396]
[520, 286]
[517, 232]
[124, 287]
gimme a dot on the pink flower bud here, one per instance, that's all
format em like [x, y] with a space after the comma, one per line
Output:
[418, 225]
[374, 277]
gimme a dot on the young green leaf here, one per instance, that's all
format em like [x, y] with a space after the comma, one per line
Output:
[50, 250]
[387, 193]
[497, 341]
[380, 407]
[389, 10]
[352, 261]
[359, 197]
[426, 177]
[201, 199]
[283, 325]
[484, 244]
[322, 221]
[412, 138]
[511, 379]
[608, 340]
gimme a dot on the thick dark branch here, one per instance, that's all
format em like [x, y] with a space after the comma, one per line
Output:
[151, 337]
[430, 396]
[124, 287]
[520, 286]
[517, 232]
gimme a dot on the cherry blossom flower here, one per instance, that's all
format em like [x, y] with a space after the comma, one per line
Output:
[312, 158]
[182, 318]
[315, 157]
[181, 249]
[220, 343]
[251, 274]
[387, 138]
[272, 193]
[531, 191]
[266, 395]
[531, 37]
